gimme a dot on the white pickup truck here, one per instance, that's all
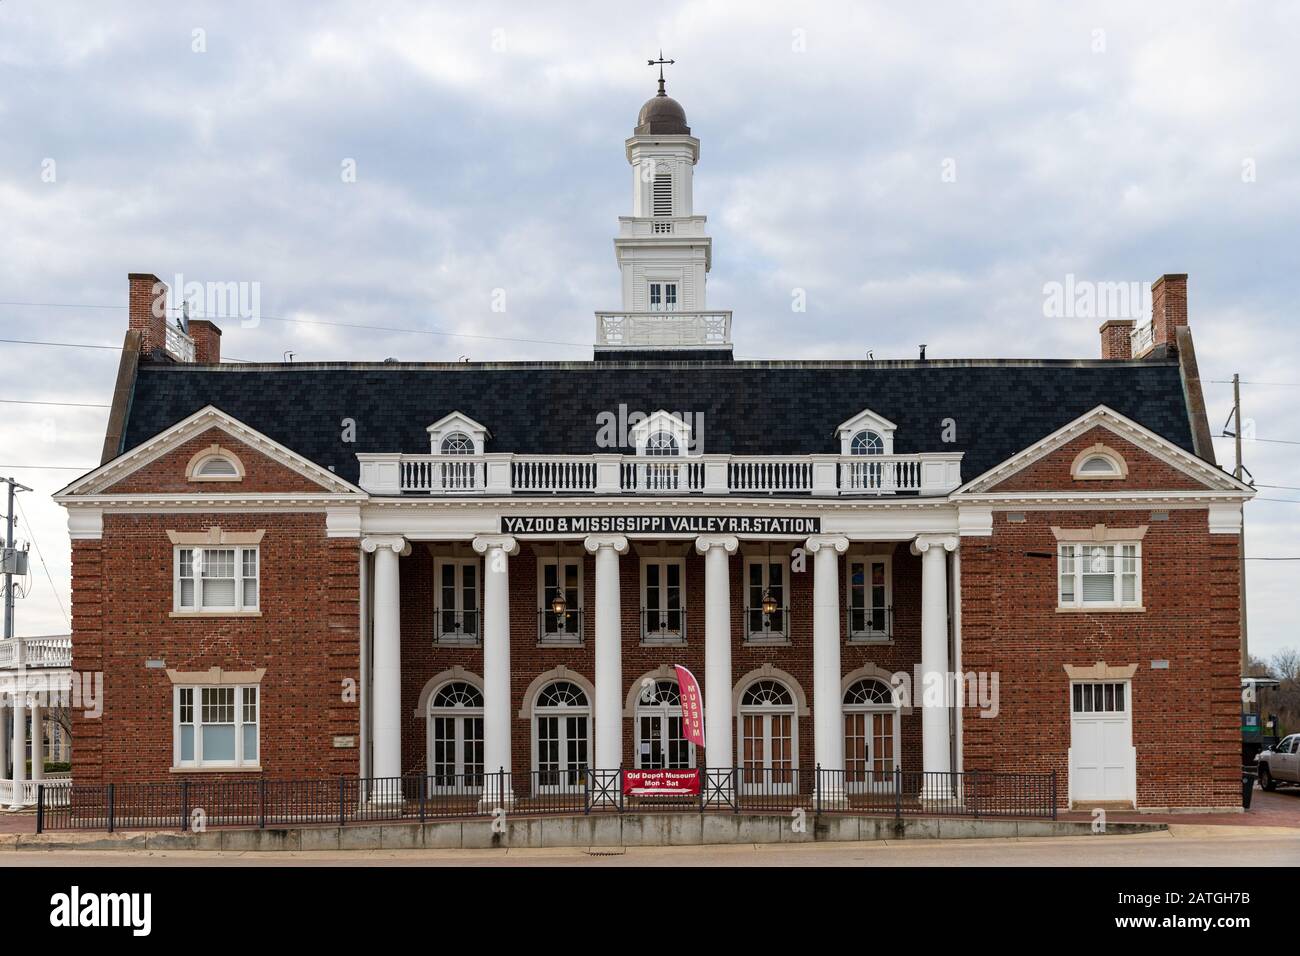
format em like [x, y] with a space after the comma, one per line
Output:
[1280, 764]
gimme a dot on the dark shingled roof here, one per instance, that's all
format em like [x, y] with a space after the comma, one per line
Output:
[776, 408]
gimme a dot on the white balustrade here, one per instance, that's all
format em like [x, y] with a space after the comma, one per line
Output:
[36, 652]
[179, 345]
[506, 474]
[1142, 340]
[635, 330]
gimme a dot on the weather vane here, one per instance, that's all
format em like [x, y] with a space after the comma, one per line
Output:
[660, 63]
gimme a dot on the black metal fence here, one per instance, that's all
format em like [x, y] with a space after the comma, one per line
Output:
[202, 804]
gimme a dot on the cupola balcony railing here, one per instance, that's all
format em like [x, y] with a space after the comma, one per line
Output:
[669, 329]
[500, 474]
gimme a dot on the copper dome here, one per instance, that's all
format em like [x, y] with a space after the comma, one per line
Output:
[662, 116]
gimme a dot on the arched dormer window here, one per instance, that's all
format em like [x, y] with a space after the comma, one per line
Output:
[867, 442]
[662, 444]
[457, 443]
[1098, 463]
[215, 463]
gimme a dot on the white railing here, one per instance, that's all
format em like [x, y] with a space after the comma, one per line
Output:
[179, 345]
[632, 330]
[506, 474]
[1142, 340]
[640, 227]
[58, 787]
[36, 652]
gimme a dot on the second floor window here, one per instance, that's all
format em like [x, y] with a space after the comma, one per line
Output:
[664, 617]
[458, 600]
[869, 598]
[561, 577]
[217, 579]
[765, 582]
[1099, 575]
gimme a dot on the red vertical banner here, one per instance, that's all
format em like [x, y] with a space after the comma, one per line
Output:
[692, 706]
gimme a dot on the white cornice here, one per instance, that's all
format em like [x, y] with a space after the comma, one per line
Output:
[169, 439]
[1124, 427]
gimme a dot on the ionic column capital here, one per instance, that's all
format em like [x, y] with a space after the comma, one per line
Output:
[615, 542]
[496, 542]
[727, 542]
[835, 542]
[924, 542]
[395, 542]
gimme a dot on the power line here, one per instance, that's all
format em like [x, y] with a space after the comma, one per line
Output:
[70, 345]
[19, 401]
[53, 467]
[45, 567]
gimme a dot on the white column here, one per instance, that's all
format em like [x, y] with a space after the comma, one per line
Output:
[19, 717]
[609, 650]
[4, 737]
[387, 670]
[38, 742]
[933, 693]
[718, 753]
[828, 701]
[496, 550]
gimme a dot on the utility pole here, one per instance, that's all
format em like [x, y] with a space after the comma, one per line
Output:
[10, 556]
[1237, 472]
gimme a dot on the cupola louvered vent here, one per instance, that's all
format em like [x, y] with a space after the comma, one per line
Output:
[663, 195]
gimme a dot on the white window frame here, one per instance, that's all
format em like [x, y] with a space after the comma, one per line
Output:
[458, 714]
[1072, 559]
[663, 713]
[570, 779]
[459, 636]
[669, 292]
[658, 636]
[242, 605]
[196, 721]
[868, 634]
[562, 638]
[874, 784]
[772, 782]
[767, 636]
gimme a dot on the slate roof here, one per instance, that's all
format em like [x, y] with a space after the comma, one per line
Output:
[776, 408]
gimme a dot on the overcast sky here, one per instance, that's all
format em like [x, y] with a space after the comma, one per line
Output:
[920, 172]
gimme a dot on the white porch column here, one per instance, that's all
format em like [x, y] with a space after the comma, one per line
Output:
[718, 719]
[828, 701]
[496, 550]
[38, 743]
[609, 650]
[19, 718]
[4, 737]
[387, 697]
[933, 693]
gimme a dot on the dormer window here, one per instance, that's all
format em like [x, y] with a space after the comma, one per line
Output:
[457, 434]
[215, 463]
[458, 443]
[662, 444]
[867, 442]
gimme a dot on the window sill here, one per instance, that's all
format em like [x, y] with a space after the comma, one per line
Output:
[656, 641]
[254, 769]
[765, 641]
[881, 640]
[1103, 609]
[456, 640]
[567, 642]
[215, 614]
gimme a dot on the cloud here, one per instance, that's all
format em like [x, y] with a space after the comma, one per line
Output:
[1106, 141]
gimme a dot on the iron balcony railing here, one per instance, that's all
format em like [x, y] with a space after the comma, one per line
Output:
[202, 804]
[564, 629]
[867, 624]
[501, 474]
[457, 628]
[663, 626]
[761, 628]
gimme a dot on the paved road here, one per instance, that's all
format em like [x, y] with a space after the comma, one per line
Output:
[1181, 846]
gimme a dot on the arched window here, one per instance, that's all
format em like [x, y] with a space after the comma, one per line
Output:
[562, 729]
[661, 444]
[1099, 466]
[769, 757]
[661, 744]
[215, 463]
[867, 442]
[1098, 461]
[458, 443]
[870, 735]
[218, 466]
[666, 477]
[456, 737]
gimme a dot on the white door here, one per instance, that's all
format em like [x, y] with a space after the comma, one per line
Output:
[1103, 763]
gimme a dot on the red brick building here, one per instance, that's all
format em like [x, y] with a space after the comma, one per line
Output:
[312, 570]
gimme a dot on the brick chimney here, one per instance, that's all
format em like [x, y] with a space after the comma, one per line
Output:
[1168, 308]
[207, 341]
[147, 311]
[1117, 339]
